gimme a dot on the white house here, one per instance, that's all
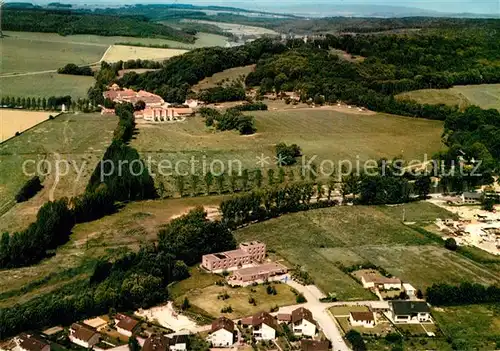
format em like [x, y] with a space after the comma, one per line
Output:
[164, 343]
[362, 319]
[222, 333]
[373, 279]
[178, 342]
[410, 290]
[29, 342]
[83, 336]
[125, 325]
[410, 311]
[191, 103]
[303, 322]
[264, 326]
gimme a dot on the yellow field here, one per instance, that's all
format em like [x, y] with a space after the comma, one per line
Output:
[122, 52]
[13, 121]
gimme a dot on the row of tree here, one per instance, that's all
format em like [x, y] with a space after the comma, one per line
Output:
[464, 294]
[53, 103]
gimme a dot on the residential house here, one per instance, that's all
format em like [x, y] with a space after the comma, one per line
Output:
[314, 345]
[362, 319]
[125, 325]
[410, 311]
[83, 336]
[471, 197]
[156, 343]
[373, 279]
[246, 254]
[192, 103]
[97, 323]
[284, 318]
[410, 291]
[264, 326]
[222, 332]
[178, 342]
[164, 343]
[303, 322]
[260, 272]
[30, 342]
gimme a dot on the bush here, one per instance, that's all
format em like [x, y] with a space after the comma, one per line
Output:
[451, 244]
[29, 189]
[356, 340]
[300, 298]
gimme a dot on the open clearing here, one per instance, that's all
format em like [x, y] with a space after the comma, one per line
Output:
[331, 135]
[237, 29]
[471, 327]
[80, 139]
[228, 74]
[30, 54]
[46, 85]
[14, 121]
[208, 299]
[323, 240]
[123, 52]
[484, 95]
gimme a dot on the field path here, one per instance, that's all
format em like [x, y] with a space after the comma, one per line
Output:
[26, 74]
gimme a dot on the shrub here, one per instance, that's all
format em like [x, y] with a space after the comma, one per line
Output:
[300, 298]
[451, 244]
[29, 189]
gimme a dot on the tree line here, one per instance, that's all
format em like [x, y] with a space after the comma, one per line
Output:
[135, 280]
[69, 22]
[464, 294]
[53, 103]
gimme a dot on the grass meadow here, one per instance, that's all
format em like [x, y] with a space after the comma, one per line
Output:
[46, 85]
[484, 95]
[331, 135]
[323, 240]
[228, 74]
[80, 139]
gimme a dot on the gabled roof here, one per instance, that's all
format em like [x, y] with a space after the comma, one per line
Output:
[302, 313]
[314, 345]
[223, 323]
[156, 343]
[405, 308]
[125, 322]
[284, 317]
[31, 342]
[82, 332]
[363, 316]
[179, 339]
[261, 318]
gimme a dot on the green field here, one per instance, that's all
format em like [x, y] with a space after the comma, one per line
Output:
[46, 85]
[329, 134]
[37, 52]
[485, 96]
[227, 75]
[31, 52]
[472, 327]
[80, 139]
[321, 240]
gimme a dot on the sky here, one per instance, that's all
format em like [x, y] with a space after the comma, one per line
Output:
[448, 6]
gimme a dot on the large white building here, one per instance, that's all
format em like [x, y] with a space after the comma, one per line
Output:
[222, 333]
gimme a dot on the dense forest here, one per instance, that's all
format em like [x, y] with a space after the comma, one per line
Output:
[68, 23]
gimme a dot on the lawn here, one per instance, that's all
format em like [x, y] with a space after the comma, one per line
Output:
[326, 134]
[343, 311]
[323, 240]
[36, 52]
[484, 95]
[209, 299]
[123, 53]
[79, 139]
[228, 74]
[46, 85]
[472, 327]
